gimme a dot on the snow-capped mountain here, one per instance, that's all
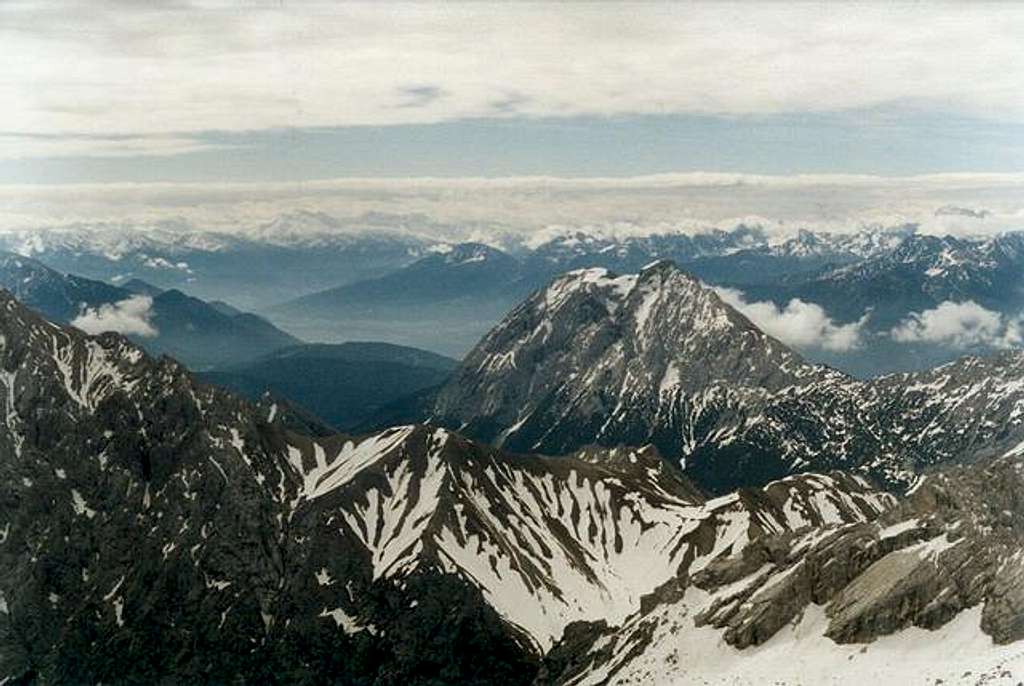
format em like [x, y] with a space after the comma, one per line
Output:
[382, 277]
[577, 249]
[862, 244]
[114, 241]
[292, 255]
[659, 358]
[155, 528]
[138, 503]
[917, 274]
[744, 254]
[549, 541]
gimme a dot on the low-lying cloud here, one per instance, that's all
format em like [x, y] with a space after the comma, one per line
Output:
[130, 317]
[799, 323]
[495, 209]
[960, 325]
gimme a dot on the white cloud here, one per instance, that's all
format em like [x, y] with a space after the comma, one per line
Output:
[163, 263]
[960, 325]
[130, 316]
[800, 324]
[99, 67]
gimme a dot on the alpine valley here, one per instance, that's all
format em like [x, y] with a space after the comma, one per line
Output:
[625, 481]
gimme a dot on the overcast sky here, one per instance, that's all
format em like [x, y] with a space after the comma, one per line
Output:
[175, 91]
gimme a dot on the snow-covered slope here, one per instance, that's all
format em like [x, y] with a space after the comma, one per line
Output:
[548, 541]
[929, 593]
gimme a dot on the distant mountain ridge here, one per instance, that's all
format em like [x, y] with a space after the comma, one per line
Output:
[441, 302]
[381, 277]
[188, 328]
[297, 253]
[919, 273]
[203, 335]
[459, 272]
[411, 305]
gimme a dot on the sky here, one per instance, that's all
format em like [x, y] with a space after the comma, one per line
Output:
[107, 91]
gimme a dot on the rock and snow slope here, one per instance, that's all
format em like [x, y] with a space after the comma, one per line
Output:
[153, 527]
[549, 541]
[932, 592]
[658, 358]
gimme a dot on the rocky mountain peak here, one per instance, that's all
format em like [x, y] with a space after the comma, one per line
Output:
[463, 253]
[657, 358]
[605, 346]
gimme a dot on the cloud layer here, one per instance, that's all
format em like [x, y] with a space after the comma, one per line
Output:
[487, 209]
[129, 317]
[963, 325]
[800, 324]
[106, 66]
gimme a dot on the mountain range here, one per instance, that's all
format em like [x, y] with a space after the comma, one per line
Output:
[917, 274]
[157, 528]
[293, 254]
[166, 321]
[409, 281]
[451, 297]
[344, 385]
[847, 300]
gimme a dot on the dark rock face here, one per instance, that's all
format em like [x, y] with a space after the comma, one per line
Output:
[657, 358]
[153, 528]
[51, 293]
